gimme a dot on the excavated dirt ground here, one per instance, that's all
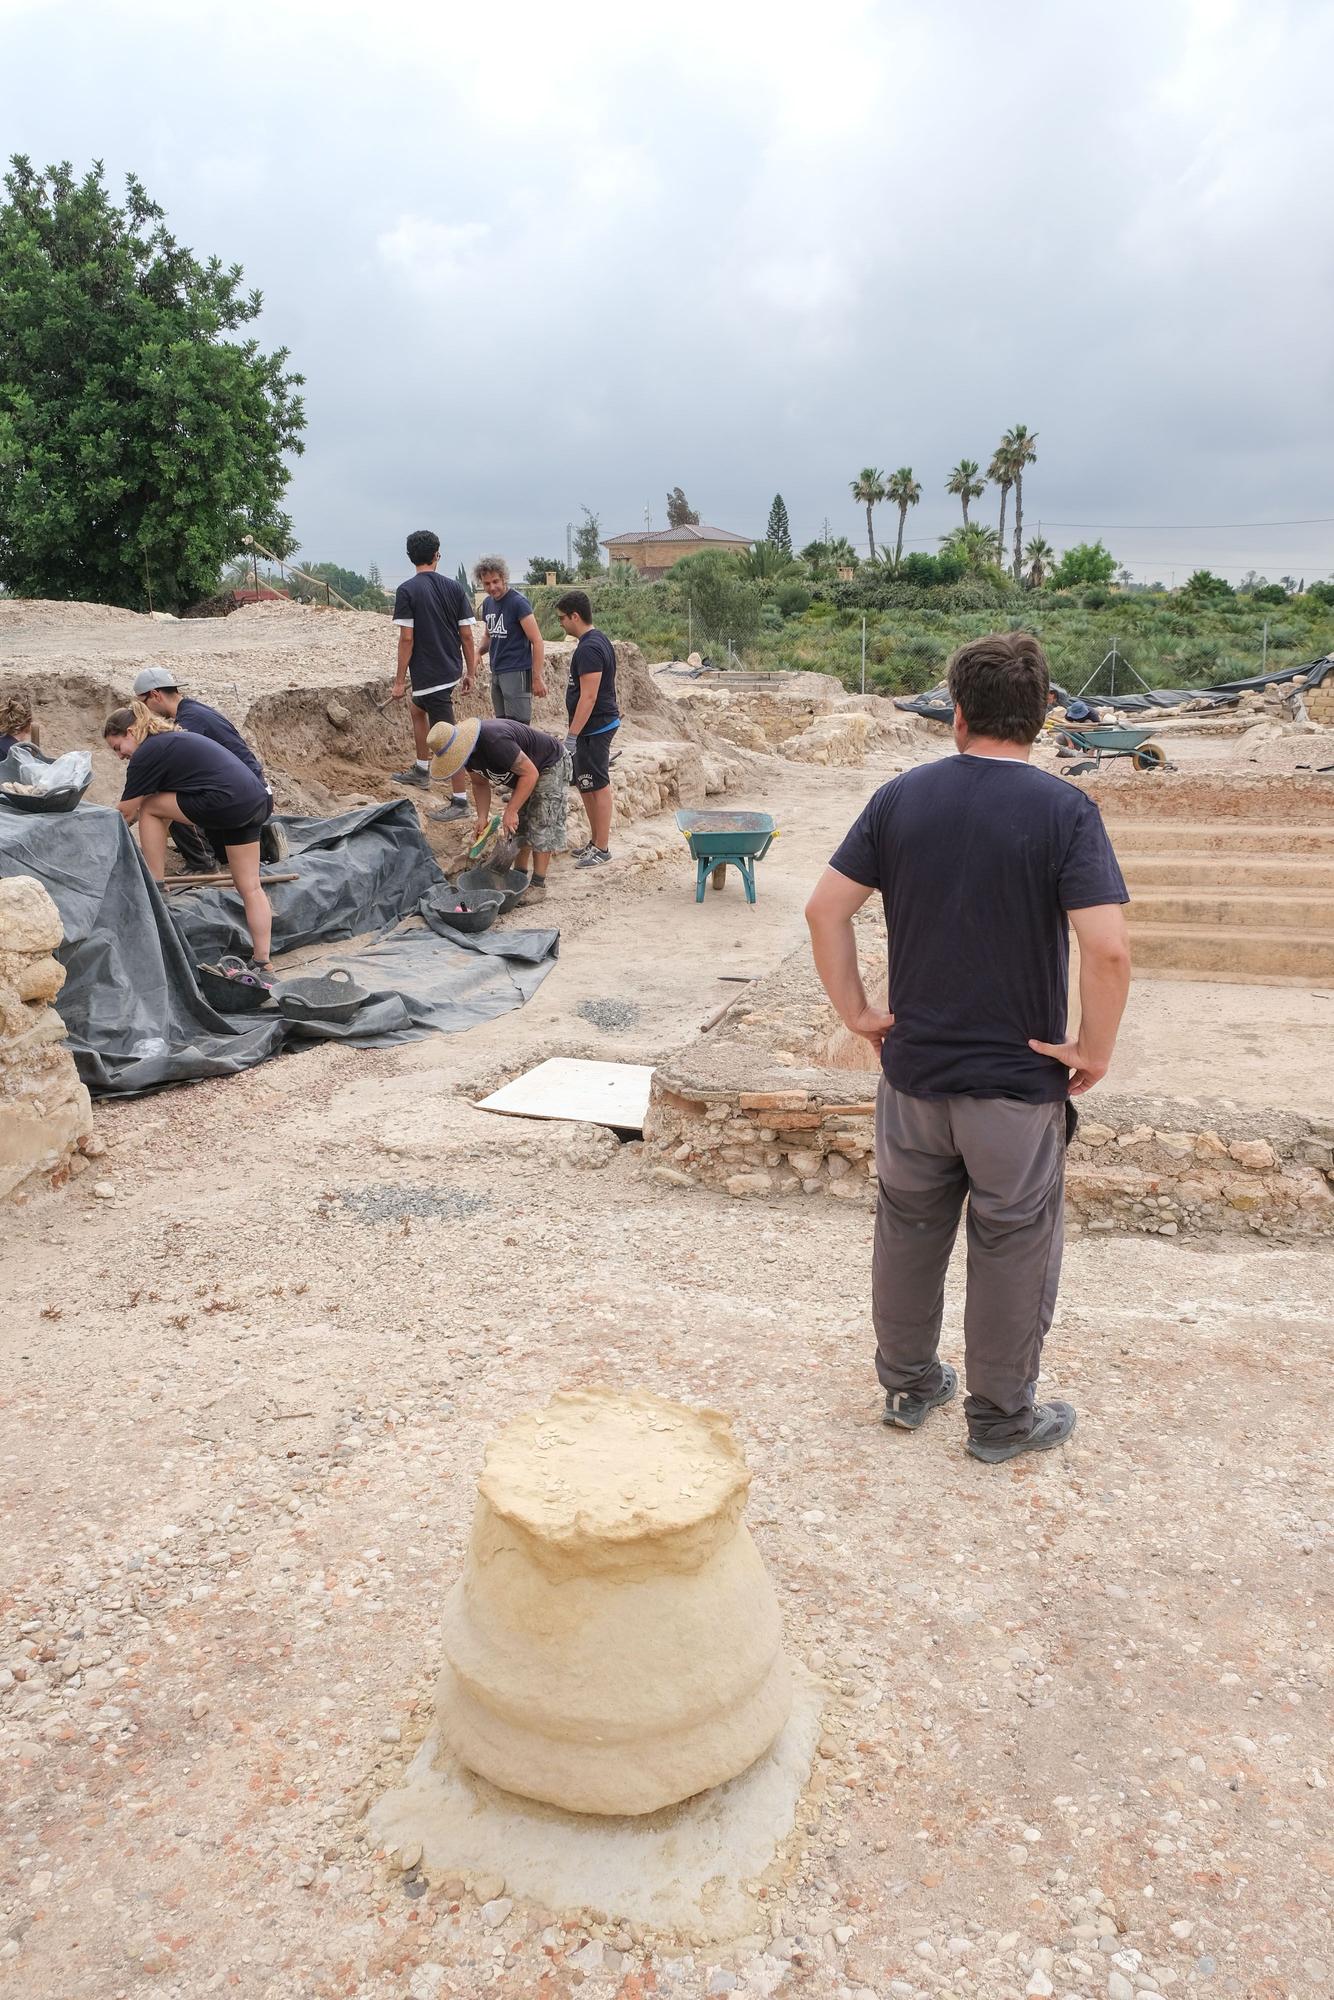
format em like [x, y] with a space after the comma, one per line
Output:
[1076, 1725]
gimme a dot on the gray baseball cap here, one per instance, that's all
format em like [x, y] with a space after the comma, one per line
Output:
[153, 678]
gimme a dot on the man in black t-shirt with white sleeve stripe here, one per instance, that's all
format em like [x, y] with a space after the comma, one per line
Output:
[436, 653]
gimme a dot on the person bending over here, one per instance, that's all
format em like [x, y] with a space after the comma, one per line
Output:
[156, 688]
[436, 653]
[531, 766]
[511, 642]
[981, 862]
[179, 779]
[590, 704]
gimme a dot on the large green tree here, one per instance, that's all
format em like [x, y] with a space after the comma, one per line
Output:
[1086, 562]
[724, 603]
[779, 530]
[140, 436]
[588, 544]
[680, 513]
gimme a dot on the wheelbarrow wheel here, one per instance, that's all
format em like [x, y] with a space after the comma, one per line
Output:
[1149, 757]
[719, 876]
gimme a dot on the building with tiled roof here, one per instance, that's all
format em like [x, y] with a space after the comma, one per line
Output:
[653, 551]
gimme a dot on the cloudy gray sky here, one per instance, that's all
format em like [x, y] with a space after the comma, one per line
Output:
[533, 257]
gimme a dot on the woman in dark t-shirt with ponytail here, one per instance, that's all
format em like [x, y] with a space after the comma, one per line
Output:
[177, 778]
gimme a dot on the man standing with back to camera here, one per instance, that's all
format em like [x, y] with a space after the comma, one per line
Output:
[979, 860]
[436, 653]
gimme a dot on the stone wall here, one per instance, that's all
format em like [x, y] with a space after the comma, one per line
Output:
[756, 1108]
[45, 1113]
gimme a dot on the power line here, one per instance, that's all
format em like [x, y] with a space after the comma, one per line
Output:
[1126, 527]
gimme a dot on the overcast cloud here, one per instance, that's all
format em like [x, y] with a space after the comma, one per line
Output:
[531, 257]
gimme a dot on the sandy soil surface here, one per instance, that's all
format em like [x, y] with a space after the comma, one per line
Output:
[1073, 1734]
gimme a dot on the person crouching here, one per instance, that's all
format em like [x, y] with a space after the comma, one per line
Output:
[534, 767]
[176, 778]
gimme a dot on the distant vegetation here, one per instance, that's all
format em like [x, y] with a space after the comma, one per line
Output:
[915, 618]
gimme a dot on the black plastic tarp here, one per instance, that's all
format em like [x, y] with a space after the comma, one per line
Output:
[935, 705]
[131, 1002]
[355, 873]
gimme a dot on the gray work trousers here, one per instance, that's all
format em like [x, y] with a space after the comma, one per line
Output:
[1008, 1158]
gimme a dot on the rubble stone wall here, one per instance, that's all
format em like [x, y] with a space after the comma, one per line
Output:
[45, 1112]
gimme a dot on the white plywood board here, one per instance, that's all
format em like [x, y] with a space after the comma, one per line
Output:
[590, 1093]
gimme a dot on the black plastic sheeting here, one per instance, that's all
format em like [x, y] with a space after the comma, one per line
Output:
[355, 873]
[936, 706]
[131, 1003]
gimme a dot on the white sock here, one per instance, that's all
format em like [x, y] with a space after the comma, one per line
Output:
[458, 798]
[423, 763]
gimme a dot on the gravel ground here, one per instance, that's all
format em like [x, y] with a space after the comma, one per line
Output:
[1076, 1738]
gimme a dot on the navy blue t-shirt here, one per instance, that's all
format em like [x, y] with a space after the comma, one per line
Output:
[594, 654]
[214, 788]
[432, 607]
[977, 860]
[201, 720]
[509, 648]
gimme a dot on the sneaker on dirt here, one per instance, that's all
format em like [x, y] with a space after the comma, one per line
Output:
[421, 779]
[909, 1413]
[1052, 1425]
[451, 811]
[593, 857]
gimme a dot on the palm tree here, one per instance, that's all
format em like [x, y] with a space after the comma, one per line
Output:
[1001, 473]
[869, 488]
[1040, 556]
[965, 482]
[905, 492]
[978, 545]
[1020, 446]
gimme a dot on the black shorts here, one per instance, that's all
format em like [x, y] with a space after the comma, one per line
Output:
[592, 761]
[220, 838]
[437, 706]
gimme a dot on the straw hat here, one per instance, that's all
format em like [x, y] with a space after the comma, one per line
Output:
[452, 743]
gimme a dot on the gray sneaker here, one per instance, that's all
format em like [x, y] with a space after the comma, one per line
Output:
[593, 857]
[909, 1413]
[454, 810]
[421, 779]
[1052, 1425]
[273, 843]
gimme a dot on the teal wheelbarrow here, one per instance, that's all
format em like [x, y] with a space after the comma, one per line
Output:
[719, 840]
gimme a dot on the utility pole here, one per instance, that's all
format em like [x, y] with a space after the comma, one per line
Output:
[1264, 649]
[569, 545]
[863, 652]
[648, 519]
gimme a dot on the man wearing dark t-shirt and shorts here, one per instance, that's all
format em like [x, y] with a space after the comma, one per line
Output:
[531, 766]
[590, 704]
[511, 642]
[979, 861]
[433, 614]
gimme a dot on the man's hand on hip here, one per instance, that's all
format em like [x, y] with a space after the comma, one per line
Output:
[1085, 1072]
[874, 1023]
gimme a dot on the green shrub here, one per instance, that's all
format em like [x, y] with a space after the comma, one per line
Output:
[792, 599]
